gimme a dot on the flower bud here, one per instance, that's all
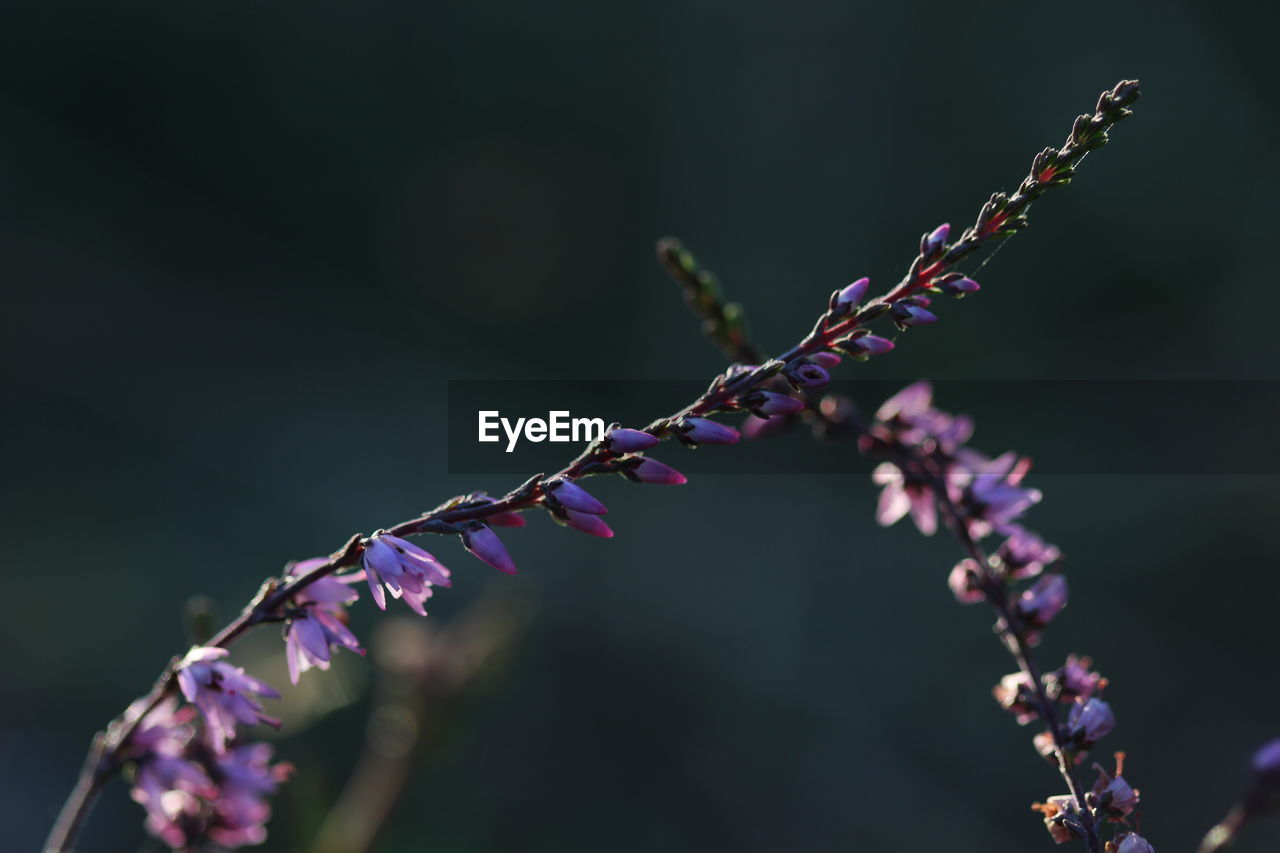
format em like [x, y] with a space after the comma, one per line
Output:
[765, 403]
[629, 440]
[703, 431]
[906, 314]
[1043, 600]
[802, 373]
[1073, 680]
[1061, 818]
[958, 285]
[1090, 721]
[866, 345]
[485, 544]
[649, 470]
[964, 582]
[572, 496]
[935, 241]
[587, 523]
[827, 360]
[754, 428]
[1016, 694]
[849, 298]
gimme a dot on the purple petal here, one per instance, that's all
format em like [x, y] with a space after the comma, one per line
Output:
[586, 523]
[573, 496]
[485, 544]
[630, 440]
[652, 471]
[375, 588]
[703, 431]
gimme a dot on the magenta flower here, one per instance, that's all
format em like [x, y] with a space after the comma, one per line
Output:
[825, 360]
[224, 694]
[173, 792]
[572, 496]
[1090, 721]
[703, 431]
[989, 487]
[485, 544]
[1043, 600]
[766, 403]
[240, 811]
[911, 417]
[406, 570]
[902, 495]
[649, 470]
[629, 440]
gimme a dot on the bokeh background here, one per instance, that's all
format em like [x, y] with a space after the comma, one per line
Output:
[244, 247]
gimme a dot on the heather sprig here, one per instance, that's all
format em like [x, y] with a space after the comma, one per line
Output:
[986, 496]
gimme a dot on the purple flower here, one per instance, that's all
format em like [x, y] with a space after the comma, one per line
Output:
[1090, 721]
[703, 431]
[903, 494]
[173, 792]
[1024, 554]
[224, 694]
[1113, 794]
[319, 621]
[240, 811]
[406, 570]
[964, 582]
[909, 314]
[649, 470]
[1073, 680]
[852, 295]
[587, 523]
[935, 241]
[765, 403]
[1043, 600]
[958, 285]
[827, 360]
[1015, 694]
[1133, 843]
[1266, 761]
[989, 487]
[629, 440]
[572, 496]
[910, 416]
[485, 544]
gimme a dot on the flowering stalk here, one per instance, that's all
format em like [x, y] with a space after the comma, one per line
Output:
[391, 565]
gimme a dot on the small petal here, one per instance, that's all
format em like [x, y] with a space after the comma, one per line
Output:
[573, 496]
[586, 523]
[652, 471]
[935, 241]
[853, 294]
[703, 431]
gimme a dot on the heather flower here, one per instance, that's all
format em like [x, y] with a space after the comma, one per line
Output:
[224, 694]
[173, 792]
[644, 469]
[804, 373]
[902, 495]
[935, 241]
[913, 419]
[318, 622]
[1133, 843]
[629, 440]
[572, 496]
[766, 403]
[1073, 680]
[1023, 554]
[586, 523]
[485, 544]
[1090, 721]
[703, 431]
[964, 581]
[405, 570]
[1016, 694]
[849, 298]
[826, 360]
[1043, 600]
[957, 285]
[1113, 794]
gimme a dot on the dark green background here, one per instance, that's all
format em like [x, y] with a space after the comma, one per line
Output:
[244, 246]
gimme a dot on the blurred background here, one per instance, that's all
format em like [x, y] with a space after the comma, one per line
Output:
[245, 246]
